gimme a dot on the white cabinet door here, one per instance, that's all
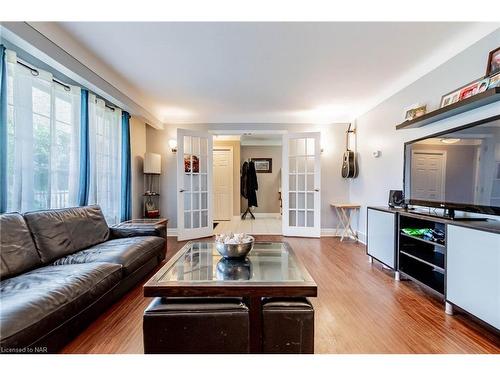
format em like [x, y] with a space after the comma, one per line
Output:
[473, 272]
[381, 243]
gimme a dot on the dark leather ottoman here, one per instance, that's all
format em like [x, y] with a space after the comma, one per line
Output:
[196, 325]
[288, 326]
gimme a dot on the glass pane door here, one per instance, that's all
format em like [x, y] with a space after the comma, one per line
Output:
[194, 176]
[301, 185]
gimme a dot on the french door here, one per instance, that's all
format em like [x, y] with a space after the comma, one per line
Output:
[301, 181]
[194, 184]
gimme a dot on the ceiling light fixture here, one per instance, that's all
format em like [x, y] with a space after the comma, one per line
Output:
[450, 141]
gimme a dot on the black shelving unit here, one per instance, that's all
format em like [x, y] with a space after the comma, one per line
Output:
[489, 96]
[422, 260]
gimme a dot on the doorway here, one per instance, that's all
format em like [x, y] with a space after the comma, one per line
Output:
[265, 151]
[223, 183]
[288, 179]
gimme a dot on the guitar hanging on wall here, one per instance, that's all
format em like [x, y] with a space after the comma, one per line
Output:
[349, 161]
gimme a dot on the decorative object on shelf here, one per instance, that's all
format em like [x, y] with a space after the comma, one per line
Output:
[494, 81]
[469, 90]
[263, 165]
[172, 143]
[472, 88]
[152, 171]
[450, 98]
[396, 198]
[493, 66]
[349, 160]
[491, 95]
[415, 111]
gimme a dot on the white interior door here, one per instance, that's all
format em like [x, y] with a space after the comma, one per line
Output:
[194, 184]
[301, 185]
[428, 175]
[223, 183]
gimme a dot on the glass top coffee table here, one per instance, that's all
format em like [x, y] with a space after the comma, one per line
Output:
[271, 269]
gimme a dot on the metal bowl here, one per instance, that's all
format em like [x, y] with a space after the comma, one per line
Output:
[234, 251]
[234, 269]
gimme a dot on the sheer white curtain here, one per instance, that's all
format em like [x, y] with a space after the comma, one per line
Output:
[105, 158]
[43, 125]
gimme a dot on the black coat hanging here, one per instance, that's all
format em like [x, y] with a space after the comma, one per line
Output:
[252, 185]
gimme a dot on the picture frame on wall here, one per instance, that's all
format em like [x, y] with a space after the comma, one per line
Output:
[493, 66]
[263, 165]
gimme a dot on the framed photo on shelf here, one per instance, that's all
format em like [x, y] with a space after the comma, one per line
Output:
[450, 98]
[415, 111]
[494, 81]
[493, 66]
[469, 90]
[263, 165]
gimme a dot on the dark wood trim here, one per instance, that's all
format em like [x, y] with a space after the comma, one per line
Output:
[487, 97]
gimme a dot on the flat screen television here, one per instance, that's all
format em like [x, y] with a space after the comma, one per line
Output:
[458, 169]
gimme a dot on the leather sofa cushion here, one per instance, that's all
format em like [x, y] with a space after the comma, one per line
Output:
[130, 253]
[38, 301]
[17, 250]
[61, 232]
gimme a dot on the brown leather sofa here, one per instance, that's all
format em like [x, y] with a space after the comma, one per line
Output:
[60, 269]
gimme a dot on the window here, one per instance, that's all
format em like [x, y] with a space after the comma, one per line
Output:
[105, 158]
[43, 125]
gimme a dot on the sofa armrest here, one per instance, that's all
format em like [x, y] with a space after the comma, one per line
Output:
[123, 232]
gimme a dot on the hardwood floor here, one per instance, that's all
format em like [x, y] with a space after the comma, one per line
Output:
[359, 309]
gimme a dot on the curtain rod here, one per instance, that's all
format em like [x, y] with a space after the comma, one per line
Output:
[35, 72]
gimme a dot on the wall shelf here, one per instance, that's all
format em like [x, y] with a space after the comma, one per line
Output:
[489, 96]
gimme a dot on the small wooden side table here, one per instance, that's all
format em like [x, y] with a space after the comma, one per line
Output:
[344, 212]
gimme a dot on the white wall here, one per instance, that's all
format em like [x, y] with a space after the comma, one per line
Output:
[376, 129]
[333, 187]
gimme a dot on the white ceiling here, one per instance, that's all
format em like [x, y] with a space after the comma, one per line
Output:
[270, 72]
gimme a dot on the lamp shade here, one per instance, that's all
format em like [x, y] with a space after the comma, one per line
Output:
[152, 163]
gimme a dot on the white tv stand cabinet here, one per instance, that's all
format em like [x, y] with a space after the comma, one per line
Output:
[463, 270]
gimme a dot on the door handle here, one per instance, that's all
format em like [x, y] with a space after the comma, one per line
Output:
[316, 190]
[182, 191]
